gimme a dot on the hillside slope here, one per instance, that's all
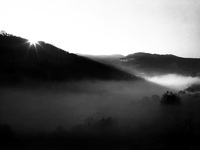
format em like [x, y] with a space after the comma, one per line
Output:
[44, 61]
[154, 64]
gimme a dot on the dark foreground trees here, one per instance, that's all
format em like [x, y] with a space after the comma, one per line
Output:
[6, 135]
[170, 98]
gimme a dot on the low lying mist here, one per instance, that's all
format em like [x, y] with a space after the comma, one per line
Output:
[96, 113]
[46, 106]
[174, 81]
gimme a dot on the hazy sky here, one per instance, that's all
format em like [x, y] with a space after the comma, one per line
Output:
[107, 26]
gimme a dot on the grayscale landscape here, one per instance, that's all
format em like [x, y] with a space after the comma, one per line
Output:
[50, 98]
[99, 74]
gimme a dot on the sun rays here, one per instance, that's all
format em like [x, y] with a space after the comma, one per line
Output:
[34, 43]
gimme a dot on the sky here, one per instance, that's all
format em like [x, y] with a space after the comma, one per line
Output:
[104, 27]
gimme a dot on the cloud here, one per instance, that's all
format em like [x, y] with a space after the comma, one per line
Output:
[175, 81]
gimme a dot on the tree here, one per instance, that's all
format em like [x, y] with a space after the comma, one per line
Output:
[170, 98]
[6, 134]
[4, 33]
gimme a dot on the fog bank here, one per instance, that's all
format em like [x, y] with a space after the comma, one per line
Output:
[45, 107]
[174, 81]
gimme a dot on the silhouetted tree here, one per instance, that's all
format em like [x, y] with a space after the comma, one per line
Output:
[106, 123]
[6, 134]
[4, 33]
[90, 121]
[170, 98]
[92, 126]
[181, 92]
[60, 132]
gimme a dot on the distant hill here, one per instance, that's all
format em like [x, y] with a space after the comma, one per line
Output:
[154, 64]
[46, 62]
[106, 59]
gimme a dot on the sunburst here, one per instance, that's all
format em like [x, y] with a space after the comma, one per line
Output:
[33, 42]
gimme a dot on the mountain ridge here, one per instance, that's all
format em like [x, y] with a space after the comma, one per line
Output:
[44, 61]
[141, 63]
[156, 64]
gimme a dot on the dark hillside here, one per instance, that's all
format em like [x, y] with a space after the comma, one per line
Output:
[154, 64]
[44, 61]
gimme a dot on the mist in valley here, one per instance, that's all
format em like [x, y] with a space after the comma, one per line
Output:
[128, 110]
[174, 81]
[46, 106]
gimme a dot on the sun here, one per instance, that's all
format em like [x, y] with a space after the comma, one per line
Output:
[33, 42]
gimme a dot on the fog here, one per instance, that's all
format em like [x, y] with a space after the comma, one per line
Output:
[91, 113]
[45, 106]
[174, 81]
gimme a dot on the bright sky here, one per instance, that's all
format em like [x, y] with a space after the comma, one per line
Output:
[107, 26]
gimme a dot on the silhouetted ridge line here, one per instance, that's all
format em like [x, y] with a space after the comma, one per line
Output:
[154, 64]
[44, 61]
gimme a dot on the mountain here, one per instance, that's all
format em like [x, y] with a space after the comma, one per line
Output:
[154, 64]
[43, 61]
[105, 59]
